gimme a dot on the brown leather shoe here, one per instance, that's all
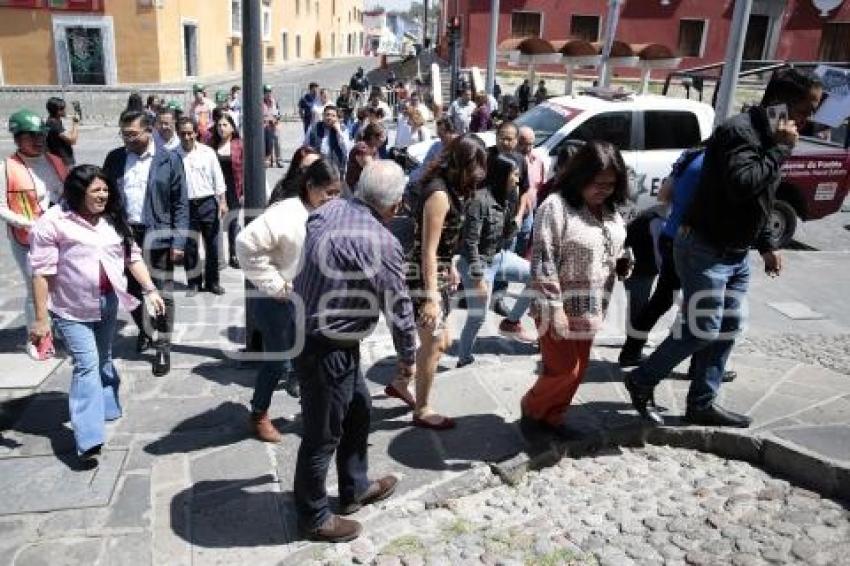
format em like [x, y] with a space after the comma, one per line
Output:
[264, 429]
[378, 490]
[336, 529]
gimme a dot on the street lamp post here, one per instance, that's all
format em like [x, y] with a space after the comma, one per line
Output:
[732, 67]
[252, 137]
[610, 33]
[494, 38]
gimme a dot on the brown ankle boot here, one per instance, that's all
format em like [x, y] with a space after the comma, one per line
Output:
[336, 529]
[264, 429]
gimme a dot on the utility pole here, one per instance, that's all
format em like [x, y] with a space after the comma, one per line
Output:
[425, 41]
[732, 66]
[494, 39]
[252, 138]
[454, 56]
[610, 34]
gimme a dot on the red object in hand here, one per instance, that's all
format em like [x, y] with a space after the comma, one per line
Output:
[45, 347]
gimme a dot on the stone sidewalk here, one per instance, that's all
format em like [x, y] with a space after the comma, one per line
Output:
[182, 481]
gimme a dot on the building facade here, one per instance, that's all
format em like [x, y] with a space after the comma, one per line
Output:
[698, 30]
[111, 42]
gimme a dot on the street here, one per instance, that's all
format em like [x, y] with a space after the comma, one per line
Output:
[183, 482]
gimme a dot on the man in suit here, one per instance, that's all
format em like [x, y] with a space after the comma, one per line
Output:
[153, 185]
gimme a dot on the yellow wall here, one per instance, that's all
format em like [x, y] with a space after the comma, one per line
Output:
[149, 41]
[213, 23]
[26, 47]
[135, 41]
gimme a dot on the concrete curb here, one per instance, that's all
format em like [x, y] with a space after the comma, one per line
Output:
[774, 455]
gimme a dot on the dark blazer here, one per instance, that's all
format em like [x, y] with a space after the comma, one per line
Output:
[166, 207]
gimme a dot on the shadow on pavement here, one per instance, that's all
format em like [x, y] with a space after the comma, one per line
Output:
[222, 426]
[45, 415]
[234, 514]
[476, 438]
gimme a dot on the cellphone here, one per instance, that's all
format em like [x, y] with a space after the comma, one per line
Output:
[777, 114]
[45, 348]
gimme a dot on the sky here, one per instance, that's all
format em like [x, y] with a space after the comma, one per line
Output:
[387, 4]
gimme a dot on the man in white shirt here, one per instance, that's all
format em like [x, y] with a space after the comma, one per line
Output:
[207, 205]
[163, 135]
[329, 138]
[416, 102]
[154, 188]
[461, 111]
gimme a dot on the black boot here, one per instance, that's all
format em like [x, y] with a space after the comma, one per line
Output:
[630, 355]
[162, 360]
[715, 415]
[643, 401]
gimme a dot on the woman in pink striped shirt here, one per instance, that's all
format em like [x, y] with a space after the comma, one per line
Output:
[78, 253]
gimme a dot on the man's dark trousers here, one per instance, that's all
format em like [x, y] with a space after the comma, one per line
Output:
[161, 267]
[203, 220]
[335, 413]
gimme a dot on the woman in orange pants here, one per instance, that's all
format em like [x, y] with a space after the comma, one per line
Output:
[578, 236]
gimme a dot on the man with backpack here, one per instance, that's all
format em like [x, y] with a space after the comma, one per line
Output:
[732, 202]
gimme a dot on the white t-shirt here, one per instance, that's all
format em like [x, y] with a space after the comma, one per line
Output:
[203, 171]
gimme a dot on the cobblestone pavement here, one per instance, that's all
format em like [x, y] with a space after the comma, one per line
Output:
[828, 351]
[656, 505]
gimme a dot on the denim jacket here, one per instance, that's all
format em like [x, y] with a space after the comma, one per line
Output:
[487, 227]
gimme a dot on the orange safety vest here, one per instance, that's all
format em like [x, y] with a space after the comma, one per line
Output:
[21, 195]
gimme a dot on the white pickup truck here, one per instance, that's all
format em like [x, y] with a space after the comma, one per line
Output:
[651, 131]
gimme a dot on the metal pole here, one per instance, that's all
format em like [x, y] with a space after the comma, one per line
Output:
[454, 48]
[610, 33]
[734, 52]
[252, 137]
[494, 39]
[425, 25]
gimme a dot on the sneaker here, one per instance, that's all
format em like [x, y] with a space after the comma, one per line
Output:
[515, 331]
[461, 363]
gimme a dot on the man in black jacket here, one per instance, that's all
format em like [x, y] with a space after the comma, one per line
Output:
[153, 185]
[736, 193]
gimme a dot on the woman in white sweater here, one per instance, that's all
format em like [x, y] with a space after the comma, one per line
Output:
[269, 250]
[578, 239]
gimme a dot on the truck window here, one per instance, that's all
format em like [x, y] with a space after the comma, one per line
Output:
[613, 127]
[669, 129]
[545, 119]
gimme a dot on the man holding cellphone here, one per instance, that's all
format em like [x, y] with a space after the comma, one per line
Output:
[728, 215]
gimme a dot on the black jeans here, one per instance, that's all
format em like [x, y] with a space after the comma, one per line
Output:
[335, 412]
[161, 268]
[231, 221]
[662, 297]
[204, 220]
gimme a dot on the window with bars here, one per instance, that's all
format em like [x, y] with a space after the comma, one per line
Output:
[691, 38]
[236, 17]
[525, 24]
[584, 27]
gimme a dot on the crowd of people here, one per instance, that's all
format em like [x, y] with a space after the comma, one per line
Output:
[326, 266]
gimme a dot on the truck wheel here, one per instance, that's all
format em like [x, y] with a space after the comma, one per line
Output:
[782, 223]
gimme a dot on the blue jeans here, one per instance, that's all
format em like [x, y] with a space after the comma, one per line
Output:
[93, 398]
[274, 319]
[714, 283]
[506, 266]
